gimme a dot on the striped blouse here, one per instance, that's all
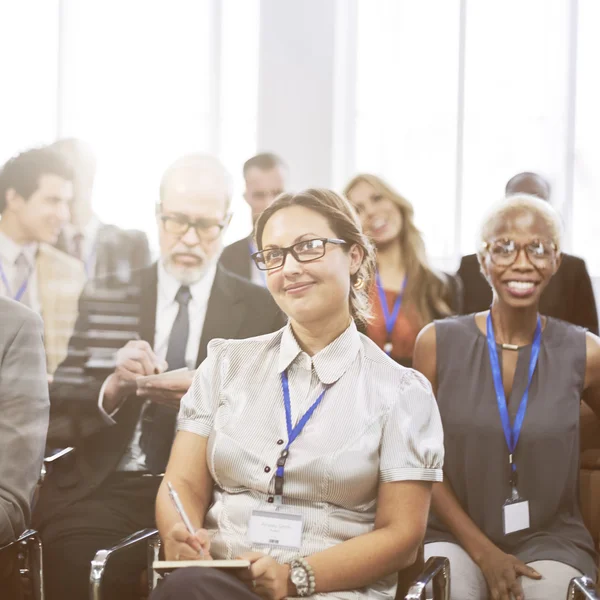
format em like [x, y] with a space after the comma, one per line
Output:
[378, 422]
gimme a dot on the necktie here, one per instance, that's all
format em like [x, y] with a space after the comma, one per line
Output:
[22, 276]
[158, 425]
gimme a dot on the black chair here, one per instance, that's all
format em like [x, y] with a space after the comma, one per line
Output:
[25, 555]
[411, 581]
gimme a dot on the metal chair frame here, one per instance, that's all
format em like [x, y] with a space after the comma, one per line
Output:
[582, 588]
[28, 549]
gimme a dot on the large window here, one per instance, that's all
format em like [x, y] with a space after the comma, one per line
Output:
[455, 97]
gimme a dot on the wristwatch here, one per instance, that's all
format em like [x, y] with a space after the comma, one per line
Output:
[302, 576]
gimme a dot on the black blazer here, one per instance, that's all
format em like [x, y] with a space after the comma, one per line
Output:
[236, 309]
[569, 295]
[236, 258]
[119, 253]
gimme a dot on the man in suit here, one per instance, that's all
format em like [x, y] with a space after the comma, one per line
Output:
[265, 177]
[35, 193]
[24, 409]
[123, 431]
[569, 295]
[108, 253]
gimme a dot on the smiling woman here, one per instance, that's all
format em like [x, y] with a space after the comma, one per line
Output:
[508, 382]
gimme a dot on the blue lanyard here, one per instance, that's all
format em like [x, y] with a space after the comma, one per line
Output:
[390, 319]
[20, 291]
[293, 432]
[254, 249]
[511, 434]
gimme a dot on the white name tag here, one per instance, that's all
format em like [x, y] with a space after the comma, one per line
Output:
[515, 516]
[274, 528]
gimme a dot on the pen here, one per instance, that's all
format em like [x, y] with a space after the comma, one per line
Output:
[181, 511]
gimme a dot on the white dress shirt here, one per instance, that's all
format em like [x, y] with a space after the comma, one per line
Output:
[166, 312]
[378, 422]
[9, 252]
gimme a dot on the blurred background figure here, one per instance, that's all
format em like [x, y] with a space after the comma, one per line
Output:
[107, 251]
[35, 193]
[569, 295]
[408, 292]
[265, 178]
[123, 430]
[23, 424]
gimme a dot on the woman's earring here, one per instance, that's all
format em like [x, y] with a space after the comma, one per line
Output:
[359, 283]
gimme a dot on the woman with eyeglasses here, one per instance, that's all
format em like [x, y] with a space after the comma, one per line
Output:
[307, 452]
[508, 382]
[407, 292]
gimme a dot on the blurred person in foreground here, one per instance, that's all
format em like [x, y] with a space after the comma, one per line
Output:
[349, 451]
[123, 426]
[108, 252]
[508, 382]
[569, 295]
[265, 177]
[35, 194]
[23, 424]
[407, 292]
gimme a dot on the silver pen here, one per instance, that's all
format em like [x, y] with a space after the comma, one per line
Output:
[181, 511]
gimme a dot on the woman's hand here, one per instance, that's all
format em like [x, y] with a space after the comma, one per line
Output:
[501, 571]
[265, 577]
[180, 544]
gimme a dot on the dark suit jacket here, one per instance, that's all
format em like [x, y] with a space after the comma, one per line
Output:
[236, 258]
[569, 295]
[236, 309]
[119, 253]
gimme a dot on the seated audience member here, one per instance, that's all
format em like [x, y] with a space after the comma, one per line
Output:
[569, 295]
[265, 178]
[108, 252]
[508, 382]
[107, 489]
[35, 193]
[408, 292]
[23, 424]
[363, 434]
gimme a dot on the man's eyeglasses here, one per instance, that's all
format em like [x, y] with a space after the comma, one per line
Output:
[504, 252]
[305, 251]
[206, 229]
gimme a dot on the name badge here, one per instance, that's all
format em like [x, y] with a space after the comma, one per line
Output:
[515, 515]
[274, 528]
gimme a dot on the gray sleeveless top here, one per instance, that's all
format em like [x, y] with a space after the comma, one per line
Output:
[547, 455]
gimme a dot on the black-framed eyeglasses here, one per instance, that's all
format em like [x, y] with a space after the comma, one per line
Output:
[304, 251]
[206, 229]
[504, 252]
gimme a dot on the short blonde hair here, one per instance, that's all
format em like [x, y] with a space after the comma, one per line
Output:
[344, 221]
[521, 203]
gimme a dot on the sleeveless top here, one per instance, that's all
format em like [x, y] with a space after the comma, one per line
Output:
[547, 454]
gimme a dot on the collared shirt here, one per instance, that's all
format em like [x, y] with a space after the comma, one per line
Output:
[378, 422]
[9, 252]
[88, 243]
[166, 311]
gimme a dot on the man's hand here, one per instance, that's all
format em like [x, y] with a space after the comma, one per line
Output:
[135, 359]
[501, 572]
[167, 389]
[265, 577]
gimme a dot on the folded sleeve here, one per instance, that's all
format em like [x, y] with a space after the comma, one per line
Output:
[412, 445]
[200, 404]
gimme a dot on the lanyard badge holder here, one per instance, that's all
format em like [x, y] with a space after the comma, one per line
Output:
[515, 510]
[276, 527]
[390, 319]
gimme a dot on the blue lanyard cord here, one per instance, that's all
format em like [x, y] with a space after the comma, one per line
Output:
[511, 434]
[390, 319]
[293, 432]
[20, 291]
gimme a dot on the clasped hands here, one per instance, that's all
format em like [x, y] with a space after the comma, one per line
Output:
[266, 577]
[135, 360]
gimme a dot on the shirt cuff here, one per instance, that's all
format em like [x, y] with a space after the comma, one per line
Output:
[411, 474]
[108, 418]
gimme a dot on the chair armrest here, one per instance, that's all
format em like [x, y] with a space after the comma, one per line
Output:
[100, 561]
[582, 587]
[29, 535]
[50, 459]
[436, 571]
[29, 551]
